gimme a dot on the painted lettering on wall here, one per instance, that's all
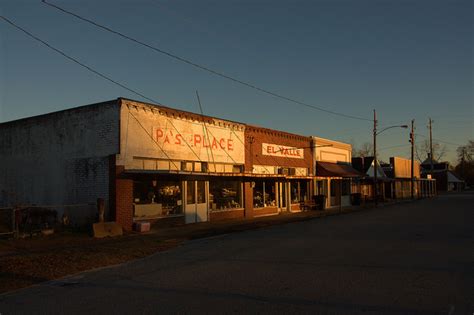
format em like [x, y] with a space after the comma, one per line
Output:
[282, 151]
[197, 140]
[153, 135]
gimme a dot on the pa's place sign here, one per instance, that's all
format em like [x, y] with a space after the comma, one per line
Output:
[151, 135]
[185, 140]
[174, 138]
[282, 151]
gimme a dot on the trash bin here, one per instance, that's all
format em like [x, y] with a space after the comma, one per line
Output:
[356, 199]
[320, 201]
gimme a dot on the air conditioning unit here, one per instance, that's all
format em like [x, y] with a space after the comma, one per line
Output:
[283, 171]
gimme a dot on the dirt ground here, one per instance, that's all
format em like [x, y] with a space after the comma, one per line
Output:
[24, 262]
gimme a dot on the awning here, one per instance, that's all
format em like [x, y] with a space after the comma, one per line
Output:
[328, 169]
[453, 179]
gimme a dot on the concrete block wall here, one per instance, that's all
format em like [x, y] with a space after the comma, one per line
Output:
[61, 158]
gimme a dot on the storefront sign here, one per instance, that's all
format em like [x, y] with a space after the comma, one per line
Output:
[282, 151]
[149, 134]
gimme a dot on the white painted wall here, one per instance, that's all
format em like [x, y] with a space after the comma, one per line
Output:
[148, 132]
[60, 158]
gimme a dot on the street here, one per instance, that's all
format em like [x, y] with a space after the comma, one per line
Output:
[409, 258]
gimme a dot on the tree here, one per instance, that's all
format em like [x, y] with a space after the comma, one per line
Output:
[422, 151]
[366, 149]
[466, 152]
[465, 166]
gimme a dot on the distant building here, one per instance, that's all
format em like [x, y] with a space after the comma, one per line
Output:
[335, 177]
[445, 178]
[366, 166]
[393, 179]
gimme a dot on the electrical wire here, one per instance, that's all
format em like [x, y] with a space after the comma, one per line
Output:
[77, 61]
[442, 141]
[97, 73]
[201, 67]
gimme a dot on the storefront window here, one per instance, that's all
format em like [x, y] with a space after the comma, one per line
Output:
[190, 193]
[321, 187]
[201, 191]
[225, 195]
[157, 198]
[333, 185]
[346, 187]
[299, 191]
[264, 194]
[270, 194]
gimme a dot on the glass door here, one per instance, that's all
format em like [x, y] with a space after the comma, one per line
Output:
[196, 201]
[201, 201]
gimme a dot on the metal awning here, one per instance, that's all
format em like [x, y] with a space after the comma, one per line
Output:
[214, 174]
[328, 169]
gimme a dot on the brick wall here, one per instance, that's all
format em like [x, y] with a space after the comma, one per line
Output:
[228, 214]
[167, 222]
[255, 136]
[124, 203]
[248, 199]
[265, 211]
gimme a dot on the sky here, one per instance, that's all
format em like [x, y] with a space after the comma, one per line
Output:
[407, 59]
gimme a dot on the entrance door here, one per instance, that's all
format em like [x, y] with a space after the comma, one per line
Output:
[282, 196]
[196, 201]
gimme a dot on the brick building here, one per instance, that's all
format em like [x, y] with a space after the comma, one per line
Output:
[152, 163]
[280, 169]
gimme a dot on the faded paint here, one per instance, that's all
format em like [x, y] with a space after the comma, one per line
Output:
[153, 132]
[59, 159]
[332, 151]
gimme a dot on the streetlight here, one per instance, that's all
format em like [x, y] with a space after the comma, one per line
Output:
[375, 151]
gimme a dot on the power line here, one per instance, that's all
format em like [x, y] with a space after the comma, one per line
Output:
[442, 141]
[77, 61]
[95, 72]
[201, 67]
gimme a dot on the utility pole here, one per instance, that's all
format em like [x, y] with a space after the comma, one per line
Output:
[431, 146]
[412, 141]
[375, 158]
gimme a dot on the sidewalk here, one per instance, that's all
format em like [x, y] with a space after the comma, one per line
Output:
[25, 262]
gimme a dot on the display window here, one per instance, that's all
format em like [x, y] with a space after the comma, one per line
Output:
[190, 193]
[156, 198]
[201, 191]
[225, 195]
[264, 194]
[334, 184]
[299, 191]
[346, 187]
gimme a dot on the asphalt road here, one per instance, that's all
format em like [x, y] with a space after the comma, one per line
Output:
[412, 258]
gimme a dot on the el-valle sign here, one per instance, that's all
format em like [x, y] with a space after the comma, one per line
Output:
[282, 151]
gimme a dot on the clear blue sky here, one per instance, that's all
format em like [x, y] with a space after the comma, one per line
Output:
[405, 58]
